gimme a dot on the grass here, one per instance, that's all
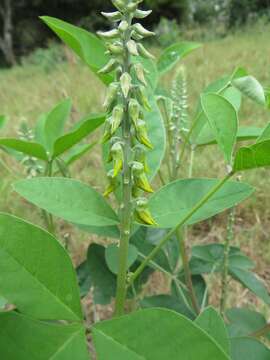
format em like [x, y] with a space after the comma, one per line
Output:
[27, 91]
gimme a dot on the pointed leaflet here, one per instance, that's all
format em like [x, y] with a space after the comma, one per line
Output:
[265, 135]
[155, 334]
[211, 322]
[112, 257]
[249, 348]
[174, 201]
[24, 338]
[3, 121]
[174, 53]
[86, 45]
[223, 120]
[26, 147]
[36, 273]
[250, 87]
[68, 199]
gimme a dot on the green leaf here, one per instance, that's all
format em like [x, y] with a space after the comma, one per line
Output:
[68, 199]
[86, 127]
[265, 135]
[248, 348]
[234, 97]
[76, 152]
[86, 45]
[174, 53]
[223, 120]
[252, 157]
[3, 121]
[251, 88]
[174, 201]
[151, 335]
[25, 147]
[3, 303]
[211, 322]
[36, 273]
[112, 257]
[24, 338]
[252, 282]
[107, 232]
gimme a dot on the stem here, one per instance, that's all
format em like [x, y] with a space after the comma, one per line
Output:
[167, 237]
[48, 218]
[126, 206]
[261, 332]
[229, 238]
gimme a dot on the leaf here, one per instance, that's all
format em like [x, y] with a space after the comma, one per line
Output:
[67, 141]
[36, 273]
[223, 120]
[77, 152]
[250, 87]
[248, 348]
[3, 121]
[265, 135]
[251, 281]
[174, 53]
[68, 199]
[86, 45]
[174, 201]
[234, 97]
[211, 322]
[151, 335]
[107, 232]
[24, 338]
[3, 303]
[252, 157]
[112, 257]
[25, 147]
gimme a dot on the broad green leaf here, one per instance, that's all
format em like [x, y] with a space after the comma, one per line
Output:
[86, 45]
[84, 278]
[223, 120]
[67, 141]
[249, 348]
[24, 338]
[154, 334]
[77, 152]
[3, 303]
[28, 148]
[107, 232]
[252, 157]
[244, 322]
[267, 96]
[265, 135]
[3, 121]
[112, 257]
[250, 87]
[68, 199]
[234, 97]
[36, 273]
[252, 282]
[174, 53]
[211, 322]
[174, 201]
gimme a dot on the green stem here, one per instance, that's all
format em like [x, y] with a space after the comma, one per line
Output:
[229, 238]
[48, 218]
[126, 206]
[261, 332]
[169, 235]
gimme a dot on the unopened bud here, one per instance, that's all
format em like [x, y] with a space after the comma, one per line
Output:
[123, 26]
[117, 117]
[132, 47]
[125, 82]
[113, 184]
[140, 156]
[117, 156]
[140, 179]
[119, 4]
[107, 131]
[141, 14]
[139, 70]
[141, 134]
[111, 34]
[134, 111]
[142, 212]
[141, 97]
[112, 16]
[109, 67]
[111, 96]
[142, 31]
[115, 49]
[144, 53]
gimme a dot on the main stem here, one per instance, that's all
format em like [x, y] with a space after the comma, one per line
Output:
[126, 206]
[48, 218]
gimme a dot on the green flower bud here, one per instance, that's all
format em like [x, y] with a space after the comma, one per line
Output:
[107, 131]
[141, 97]
[117, 117]
[144, 53]
[136, 36]
[125, 82]
[134, 111]
[119, 4]
[117, 156]
[139, 70]
[142, 31]
[140, 14]
[141, 134]
[109, 67]
[132, 7]
[123, 26]
[142, 212]
[113, 184]
[140, 179]
[140, 156]
[111, 96]
[132, 48]
[112, 16]
[111, 34]
[115, 49]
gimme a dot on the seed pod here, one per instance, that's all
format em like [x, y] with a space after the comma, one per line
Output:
[140, 156]
[125, 82]
[142, 31]
[139, 70]
[107, 131]
[141, 134]
[116, 48]
[132, 48]
[112, 16]
[109, 67]
[117, 117]
[123, 26]
[140, 179]
[111, 34]
[113, 184]
[134, 111]
[117, 156]
[144, 53]
[141, 14]
[111, 96]
[119, 4]
[141, 97]
[142, 213]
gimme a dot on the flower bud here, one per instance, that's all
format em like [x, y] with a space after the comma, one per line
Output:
[111, 34]
[125, 82]
[142, 31]
[140, 14]
[116, 48]
[113, 184]
[140, 179]
[140, 156]
[134, 111]
[119, 4]
[136, 36]
[132, 47]
[111, 96]
[107, 131]
[144, 53]
[117, 117]
[112, 16]
[141, 134]
[139, 70]
[109, 67]
[142, 213]
[123, 26]
[132, 7]
[141, 97]
[117, 156]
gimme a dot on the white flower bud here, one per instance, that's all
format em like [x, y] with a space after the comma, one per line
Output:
[140, 14]
[125, 82]
[132, 47]
[142, 31]
[123, 26]
[112, 16]
[144, 53]
[139, 69]
[112, 34]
